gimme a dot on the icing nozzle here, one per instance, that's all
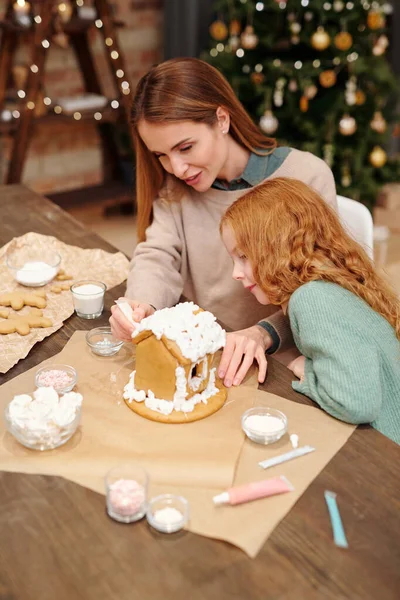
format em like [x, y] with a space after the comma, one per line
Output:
[294, 440]
[127, 310]
[220, 499]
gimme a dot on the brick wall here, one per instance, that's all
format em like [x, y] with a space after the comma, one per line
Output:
[65, 156]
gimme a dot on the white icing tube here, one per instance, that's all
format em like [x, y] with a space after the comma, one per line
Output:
[127, 310]
[271, 462]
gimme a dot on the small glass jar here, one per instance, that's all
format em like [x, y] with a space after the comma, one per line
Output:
[88, 298]
[168, 513]
[62, 378]
[102, 342]
[126, 492]
[264, 425]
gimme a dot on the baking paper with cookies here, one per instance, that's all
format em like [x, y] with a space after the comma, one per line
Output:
[76, 264]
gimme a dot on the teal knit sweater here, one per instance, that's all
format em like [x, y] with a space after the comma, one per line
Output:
[352, 367]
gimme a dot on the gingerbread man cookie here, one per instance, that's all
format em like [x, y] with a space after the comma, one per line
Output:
[22, 324]
[19, 299]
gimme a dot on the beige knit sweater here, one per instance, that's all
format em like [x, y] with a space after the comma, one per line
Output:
[183, 254]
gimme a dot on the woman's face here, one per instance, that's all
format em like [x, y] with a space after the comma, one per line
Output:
[242, 269]
[193, 152]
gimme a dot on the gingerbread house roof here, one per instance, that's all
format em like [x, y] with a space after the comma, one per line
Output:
[187, 331]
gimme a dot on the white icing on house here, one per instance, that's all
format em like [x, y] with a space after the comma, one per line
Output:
[179, 402]
[196, 334]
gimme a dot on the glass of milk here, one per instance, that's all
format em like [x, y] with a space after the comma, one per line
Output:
[88, 298]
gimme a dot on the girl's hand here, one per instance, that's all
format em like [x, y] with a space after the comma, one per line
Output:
[297, 366]
[241, 349]
[121, 327]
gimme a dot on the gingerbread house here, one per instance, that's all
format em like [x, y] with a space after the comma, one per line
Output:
[174, 380]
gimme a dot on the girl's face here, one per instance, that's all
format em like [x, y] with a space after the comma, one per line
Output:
[242, 269]
[193, 152]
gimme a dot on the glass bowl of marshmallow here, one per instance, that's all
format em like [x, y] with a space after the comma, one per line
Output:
[43, 420]
[33, 267]
[264, 425]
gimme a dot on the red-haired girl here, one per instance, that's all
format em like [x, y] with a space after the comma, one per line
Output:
[289, 249]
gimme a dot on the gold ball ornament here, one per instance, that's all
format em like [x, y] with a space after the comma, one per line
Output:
[268, 122]
[343, 41]
[378, 157]
[257, 78]
[235, 27]
[304, 103]
[375, 20]
[378, 123]
[360, 97]
[248, 38]
[320, 40]
[218, 30]
[327, 78]
[347, 125]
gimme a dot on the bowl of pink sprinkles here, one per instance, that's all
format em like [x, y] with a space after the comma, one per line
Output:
[62, 378]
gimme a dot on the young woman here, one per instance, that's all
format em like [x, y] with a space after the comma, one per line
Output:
[289, 249]
[197, 151]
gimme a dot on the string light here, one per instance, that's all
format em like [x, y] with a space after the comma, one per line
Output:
[220, 47]
[58, 110]
[316, 64]
[47, 101]
[298, 64]
[114, 103]
[21, 94]
[126, 91]
[124, 85]
[120, 73]
[98, 116]
[109, 41]
[45, 43]
[214, 52]
[30, 105]
[34, 68]
[77, 116]
[38, 19]
[260, 6]
[16, 114]
[114, 55]
[240, 52]
[258, 68]
[79, 2]
[98, 23]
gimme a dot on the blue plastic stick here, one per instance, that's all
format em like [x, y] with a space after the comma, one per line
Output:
[339, 536]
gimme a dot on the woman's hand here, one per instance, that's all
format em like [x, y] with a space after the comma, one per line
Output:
[297, 366]
[241, 349]
[121, 327]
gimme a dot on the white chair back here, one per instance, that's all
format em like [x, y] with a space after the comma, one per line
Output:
[357, 220]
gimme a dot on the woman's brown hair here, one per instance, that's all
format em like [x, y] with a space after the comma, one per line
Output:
[291, 237]
[184, 89]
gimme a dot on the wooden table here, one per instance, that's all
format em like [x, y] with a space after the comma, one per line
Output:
[56, 541]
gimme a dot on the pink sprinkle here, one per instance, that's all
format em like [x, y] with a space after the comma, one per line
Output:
[56, 378]
[126, 496]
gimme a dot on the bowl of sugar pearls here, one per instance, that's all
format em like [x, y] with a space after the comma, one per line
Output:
[102, 342]
[264, 425]
[33, 267]
[62, 378]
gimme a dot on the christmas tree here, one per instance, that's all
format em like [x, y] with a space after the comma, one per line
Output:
[315, 75]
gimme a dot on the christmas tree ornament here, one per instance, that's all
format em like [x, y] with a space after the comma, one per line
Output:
[304, 104]
[293, 87]
[346, 176]
[311, 91]
[268, 122]
[328, 154]
[360, 98]
[343, 41]
[338, 5]
[257, 78]
[347, 125]
[218, 30]
[320, 40]
[235, 27]
[375, 20]
[378, 157]
[350, 93]
[380, 45]
[378, 123]
[327, 78]
[278, 92]
[248, 38]
[234, 42]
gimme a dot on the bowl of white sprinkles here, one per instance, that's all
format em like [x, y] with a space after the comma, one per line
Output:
[264, 425]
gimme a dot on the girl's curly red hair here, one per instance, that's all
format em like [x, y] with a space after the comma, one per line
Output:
[291, 236]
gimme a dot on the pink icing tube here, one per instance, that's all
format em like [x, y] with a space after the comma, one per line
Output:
[254, 491]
